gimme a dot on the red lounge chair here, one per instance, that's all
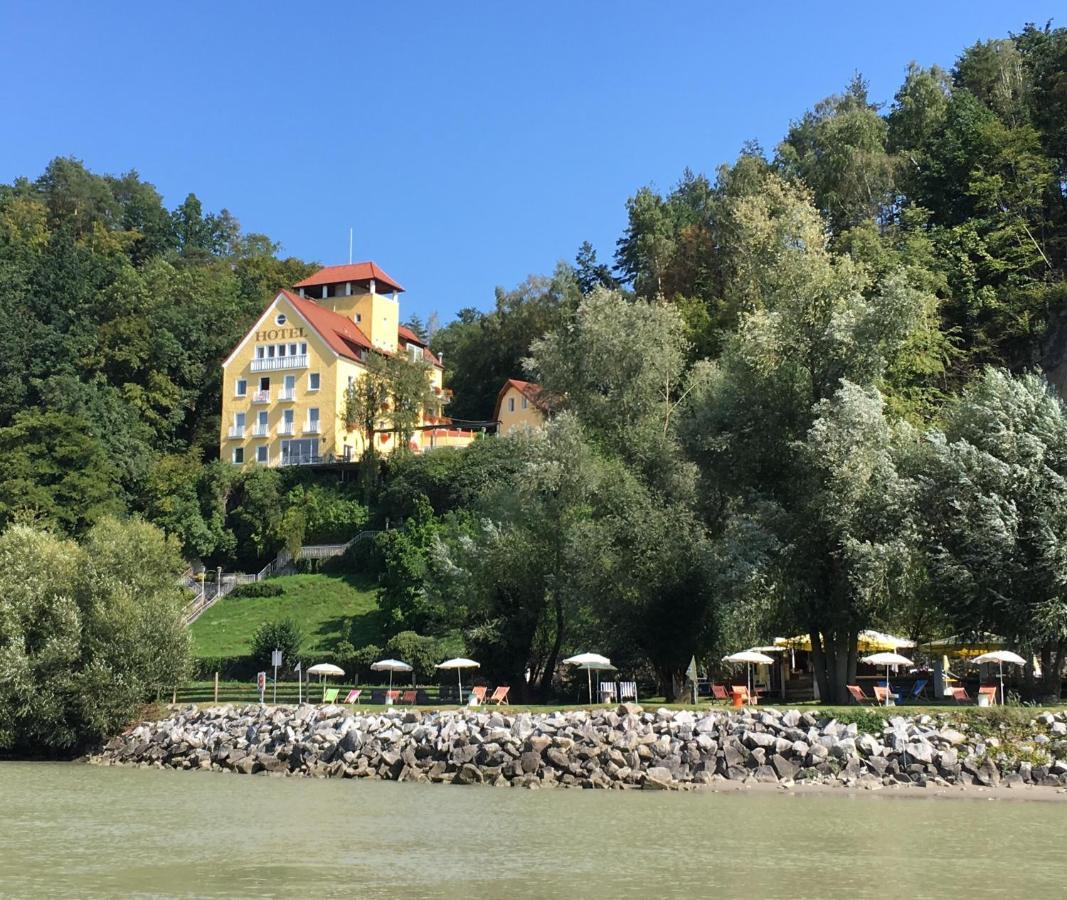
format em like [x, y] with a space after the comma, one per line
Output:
[479, 692]
[409, 698]
[960, 695]
[857, 694]
[990, 691]
[719, 692]
[881, 693]
[392, 696]
[500, 696]
[353, 696]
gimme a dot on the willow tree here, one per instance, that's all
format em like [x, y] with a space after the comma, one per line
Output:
[816, 327]
[994, 508]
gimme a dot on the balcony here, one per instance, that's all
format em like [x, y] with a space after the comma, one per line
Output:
[260, 430]
[274, 363]
[261, 397]
[237, 431]
[312, 428]
[286, 428]
[287, 394]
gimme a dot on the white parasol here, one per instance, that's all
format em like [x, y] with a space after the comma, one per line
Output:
[391, 666]
[459, 663]
[589, 662]
[887, 660]
[1000, 657]
[749, 657]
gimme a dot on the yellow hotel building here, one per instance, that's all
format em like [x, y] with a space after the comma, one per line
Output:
[284, 384]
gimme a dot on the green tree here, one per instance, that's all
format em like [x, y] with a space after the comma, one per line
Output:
[283, 634]
[750, 419]
[994, 510]
[87, 634]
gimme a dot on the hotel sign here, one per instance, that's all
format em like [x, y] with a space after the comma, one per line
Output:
[279, 334]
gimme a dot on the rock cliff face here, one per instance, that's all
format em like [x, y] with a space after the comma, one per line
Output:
[623, 748]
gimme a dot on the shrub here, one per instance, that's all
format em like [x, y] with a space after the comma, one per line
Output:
[420, 651]
[258, 589]
[282, 635]
[87, 634]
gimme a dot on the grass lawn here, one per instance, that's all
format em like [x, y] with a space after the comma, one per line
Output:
[324, 606]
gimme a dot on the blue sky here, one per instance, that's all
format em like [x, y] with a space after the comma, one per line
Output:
[468, 145]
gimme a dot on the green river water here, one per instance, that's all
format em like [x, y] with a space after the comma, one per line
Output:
[71, 830]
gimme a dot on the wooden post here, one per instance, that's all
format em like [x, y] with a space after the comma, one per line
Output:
[174, 696]
[216, 688]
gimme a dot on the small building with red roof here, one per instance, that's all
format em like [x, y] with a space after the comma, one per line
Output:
[520, 404]
[285, 385]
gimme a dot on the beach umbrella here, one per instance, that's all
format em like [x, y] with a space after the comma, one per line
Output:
[322, 670]
[887, 660]
[459, 663]
[1000, 657]
[749, 657]
[391, 666]
[584, 661]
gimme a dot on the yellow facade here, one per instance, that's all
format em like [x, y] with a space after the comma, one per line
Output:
[377, 315]
[285, 406]
[517, 411]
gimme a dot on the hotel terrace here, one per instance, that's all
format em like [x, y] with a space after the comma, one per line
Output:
[284, 384]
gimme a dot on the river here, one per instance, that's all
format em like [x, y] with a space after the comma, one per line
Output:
[72, 830]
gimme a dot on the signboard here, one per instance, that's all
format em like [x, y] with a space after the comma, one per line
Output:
[276, 659]
[261, 683]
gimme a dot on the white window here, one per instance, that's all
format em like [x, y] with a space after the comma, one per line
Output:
[289, 391]
[525, 403]
[239, 420]
[313, 381]
[242, 387]
[292, 349]
[303, 349]
[511, 404]
[359, 318]
[287, 417]
[261, 453]
[270, 351]
[261, 352]
[238, 454]
[313, 419]
[279, 319]
[261, 419]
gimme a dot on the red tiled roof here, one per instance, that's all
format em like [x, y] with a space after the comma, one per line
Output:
[528, 389]
[408, 335]
[343, 335]
[362, 271]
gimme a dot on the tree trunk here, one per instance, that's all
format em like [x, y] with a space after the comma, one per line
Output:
[1051, 671]
[834, 661]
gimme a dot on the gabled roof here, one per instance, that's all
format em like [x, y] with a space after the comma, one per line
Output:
[528, 389]
[343, 335]
[361, 271]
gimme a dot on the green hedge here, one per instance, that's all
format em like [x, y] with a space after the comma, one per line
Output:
[257, 589]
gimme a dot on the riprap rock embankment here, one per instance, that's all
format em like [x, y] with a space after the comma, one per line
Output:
[619, 748]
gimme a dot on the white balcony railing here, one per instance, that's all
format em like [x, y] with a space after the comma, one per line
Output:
[273, 363]
[261, 397]
[312, 428]
[237, 431]
[260, 430]
[285, 428]
[287, 394]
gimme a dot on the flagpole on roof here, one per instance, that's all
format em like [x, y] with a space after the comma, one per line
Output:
[350, 245]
